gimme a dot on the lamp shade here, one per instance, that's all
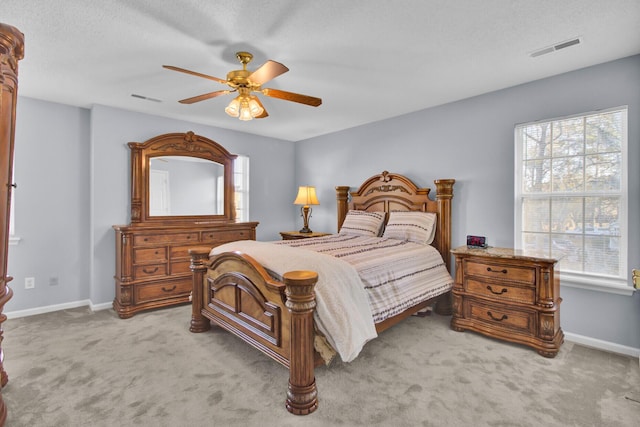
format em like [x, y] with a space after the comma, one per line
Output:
[306, 196]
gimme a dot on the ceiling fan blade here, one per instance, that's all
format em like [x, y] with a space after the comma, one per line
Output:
[264, 110]
[204, 96]
[290, 96]
[267, 71]
[193, 73]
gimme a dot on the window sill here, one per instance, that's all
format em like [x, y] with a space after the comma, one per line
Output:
[598, 284]
[14, 240]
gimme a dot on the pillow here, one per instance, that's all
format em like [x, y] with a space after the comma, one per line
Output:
[418, 227]
[363, 223]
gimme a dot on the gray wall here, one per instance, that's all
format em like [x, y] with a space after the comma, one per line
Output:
[473, 141]
[51, 206]
[72, 170]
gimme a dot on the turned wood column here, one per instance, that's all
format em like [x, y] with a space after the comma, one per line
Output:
[302, 394]
[444, 194]
[199, 257]
[11, 51]
[342, 197]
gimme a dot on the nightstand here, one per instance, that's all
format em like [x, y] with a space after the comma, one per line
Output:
[510, 295]
[295, 235]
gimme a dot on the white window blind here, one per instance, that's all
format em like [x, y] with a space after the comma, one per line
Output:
[571, 191]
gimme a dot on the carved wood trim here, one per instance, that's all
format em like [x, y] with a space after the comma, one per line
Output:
[177, 144]
[11, 51]
[231, 294]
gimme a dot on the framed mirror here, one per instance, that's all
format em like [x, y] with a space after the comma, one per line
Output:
[181, 178]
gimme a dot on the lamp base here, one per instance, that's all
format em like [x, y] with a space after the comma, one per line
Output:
[305, 212]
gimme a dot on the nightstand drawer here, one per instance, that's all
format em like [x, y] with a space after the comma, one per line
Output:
[501, 291]
[524, 275]
[502, 317]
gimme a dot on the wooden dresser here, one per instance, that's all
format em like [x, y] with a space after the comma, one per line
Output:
[182, 196]
[510, 295]
[152, 263]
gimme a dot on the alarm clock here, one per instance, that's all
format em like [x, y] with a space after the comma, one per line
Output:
[476, 242]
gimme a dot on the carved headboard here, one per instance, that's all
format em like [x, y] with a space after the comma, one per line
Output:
[388, 192]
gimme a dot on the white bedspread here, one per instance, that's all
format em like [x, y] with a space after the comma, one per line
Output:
[343, 313]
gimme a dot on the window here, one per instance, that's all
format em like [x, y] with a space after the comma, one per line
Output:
[241, 182]
[571, 194]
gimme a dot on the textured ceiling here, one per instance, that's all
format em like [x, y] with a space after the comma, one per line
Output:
[367, 59]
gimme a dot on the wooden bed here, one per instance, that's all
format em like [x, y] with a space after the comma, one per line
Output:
[236, 293]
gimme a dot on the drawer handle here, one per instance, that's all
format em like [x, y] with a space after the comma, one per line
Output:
[150, 271]
[504, 290]
[169, 290]
[504, 317]
[503, 271]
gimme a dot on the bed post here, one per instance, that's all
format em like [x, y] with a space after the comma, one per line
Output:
[342, 196]
[198, 266]
[302, 394]
[444, 194]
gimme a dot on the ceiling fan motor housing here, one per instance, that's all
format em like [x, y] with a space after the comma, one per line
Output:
[238, 78]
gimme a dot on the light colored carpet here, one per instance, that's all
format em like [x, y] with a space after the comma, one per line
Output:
[78, 368]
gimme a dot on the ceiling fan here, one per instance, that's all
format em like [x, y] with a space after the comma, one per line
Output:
[247, 106]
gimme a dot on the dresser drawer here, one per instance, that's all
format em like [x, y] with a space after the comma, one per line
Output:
[149, 270]
[225, 236]
[180, 252]
[497, 271]
[501, 291]
[142, 255]
[159, 291]
[502, 317]
[180, 267]
[150, 239]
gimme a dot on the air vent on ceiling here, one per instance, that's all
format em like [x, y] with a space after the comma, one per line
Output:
[558, 46]
[145, 98]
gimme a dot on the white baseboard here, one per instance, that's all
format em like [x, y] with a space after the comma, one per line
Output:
[602, 345]
[57, 307]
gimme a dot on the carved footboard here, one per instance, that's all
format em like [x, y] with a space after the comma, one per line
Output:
[235, 292]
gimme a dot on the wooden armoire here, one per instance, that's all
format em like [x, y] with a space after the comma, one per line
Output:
[11, 51]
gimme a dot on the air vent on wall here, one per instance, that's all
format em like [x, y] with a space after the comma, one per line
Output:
[558, 46]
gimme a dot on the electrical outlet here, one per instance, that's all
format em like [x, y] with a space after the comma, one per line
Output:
[29, 282]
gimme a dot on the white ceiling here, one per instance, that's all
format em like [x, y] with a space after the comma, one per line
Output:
[367, 59]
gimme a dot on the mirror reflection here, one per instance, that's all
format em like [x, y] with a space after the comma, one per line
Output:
[180, 185]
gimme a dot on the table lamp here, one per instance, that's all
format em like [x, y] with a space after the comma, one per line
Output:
[306, 196]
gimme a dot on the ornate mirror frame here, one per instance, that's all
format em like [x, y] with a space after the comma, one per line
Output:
[176, 144]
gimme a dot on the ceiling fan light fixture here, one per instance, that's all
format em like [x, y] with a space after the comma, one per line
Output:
[233, 109]
[245, 110]
[254, 107]
[246, 106]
